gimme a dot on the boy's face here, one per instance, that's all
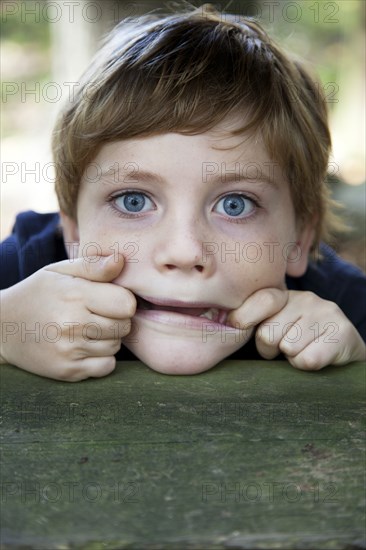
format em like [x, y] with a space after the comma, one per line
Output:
[200, 227]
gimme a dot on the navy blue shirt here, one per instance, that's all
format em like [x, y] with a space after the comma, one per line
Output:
[37, 241]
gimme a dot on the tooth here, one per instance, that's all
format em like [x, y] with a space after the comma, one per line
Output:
[222, 318]
[216, 313]
[207, 314]
[210, 314]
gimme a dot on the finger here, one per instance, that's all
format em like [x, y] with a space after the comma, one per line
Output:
[293, 328]
[94, 367]
[98, 337]
[100, 328]
[96, 348]
[99, 269]
[329, 349]
[277, 335]
[259, 306]
[110, 300]
[313, 357]
[100, 366]
[298, 335]
[267, 343]
[289, 330]
[316, 357]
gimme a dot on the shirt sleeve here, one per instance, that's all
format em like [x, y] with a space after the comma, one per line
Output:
[36, 241]
[334, 279]
[9, 259]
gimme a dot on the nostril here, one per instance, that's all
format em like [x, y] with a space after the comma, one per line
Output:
[171, 266]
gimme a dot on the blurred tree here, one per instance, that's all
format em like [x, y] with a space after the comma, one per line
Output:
[44, 42]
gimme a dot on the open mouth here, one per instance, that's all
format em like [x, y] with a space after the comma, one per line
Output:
[205, 311]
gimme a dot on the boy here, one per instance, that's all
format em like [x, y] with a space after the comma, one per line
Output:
[190, 173]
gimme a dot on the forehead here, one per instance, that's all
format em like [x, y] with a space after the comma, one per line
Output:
[210, 156]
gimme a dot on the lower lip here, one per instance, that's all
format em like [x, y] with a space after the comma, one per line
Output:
[179, 320]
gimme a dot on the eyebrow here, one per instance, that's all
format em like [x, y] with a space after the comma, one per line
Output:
[237, 178]
[138, 175]
[230, 177]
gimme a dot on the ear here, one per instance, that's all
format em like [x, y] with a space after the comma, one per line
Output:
[298, 252]
[70, 232]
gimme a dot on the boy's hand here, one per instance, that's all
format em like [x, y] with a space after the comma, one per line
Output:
[66, 320]
[309, 331]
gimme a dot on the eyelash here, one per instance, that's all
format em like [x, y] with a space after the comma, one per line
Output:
[232, 219]
[111, 200]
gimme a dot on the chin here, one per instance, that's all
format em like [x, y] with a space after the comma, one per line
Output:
[181, 352]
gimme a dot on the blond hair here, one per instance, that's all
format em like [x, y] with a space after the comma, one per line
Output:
[185, 73]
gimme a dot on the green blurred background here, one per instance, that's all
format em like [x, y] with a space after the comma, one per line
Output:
[46, 45]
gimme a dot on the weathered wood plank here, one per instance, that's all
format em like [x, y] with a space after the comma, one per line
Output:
[247, 455]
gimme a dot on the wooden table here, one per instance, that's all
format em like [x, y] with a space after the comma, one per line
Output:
[247, 455]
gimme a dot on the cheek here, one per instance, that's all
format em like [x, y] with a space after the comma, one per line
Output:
[96, 239]
[254, 266]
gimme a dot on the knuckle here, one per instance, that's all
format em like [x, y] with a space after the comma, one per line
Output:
[73, 290]
[307, 361]
[61, 348]
[106, 365]
[71, 373]
[270, 299]
[333, 309]
[266, 345]
[130, 304]
[126, 327]
[313, 300]
[287, 348]
[311, 363]
[108, 267]
[304, 296]
[116, 346]
[262, 336]
[80, 370]
[86, 269]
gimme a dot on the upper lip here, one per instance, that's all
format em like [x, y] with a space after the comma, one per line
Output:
[181, 303]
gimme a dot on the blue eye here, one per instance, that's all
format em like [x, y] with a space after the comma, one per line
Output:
[132, 202]
[235, 205]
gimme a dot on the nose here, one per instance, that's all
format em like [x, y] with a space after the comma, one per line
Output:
[180, 248]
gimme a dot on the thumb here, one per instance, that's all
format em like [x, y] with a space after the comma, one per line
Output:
[261, 305]
[100, 269]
